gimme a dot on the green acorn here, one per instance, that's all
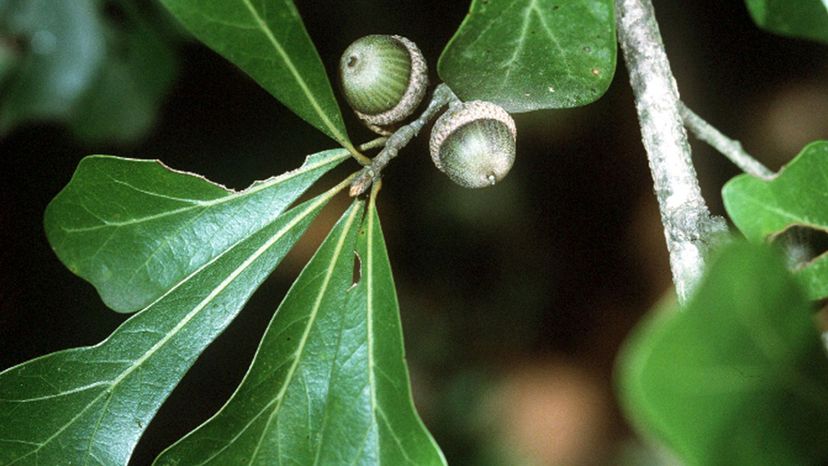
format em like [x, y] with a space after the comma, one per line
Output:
[384, 78]
[474, 143]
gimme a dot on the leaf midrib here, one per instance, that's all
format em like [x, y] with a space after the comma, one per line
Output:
[779, 212]
[369, 289]
[184, 321]
[292, 68]
[303, 341]
[209, 203]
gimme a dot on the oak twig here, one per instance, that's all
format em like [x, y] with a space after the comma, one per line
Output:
[730, 148]
[442, 96]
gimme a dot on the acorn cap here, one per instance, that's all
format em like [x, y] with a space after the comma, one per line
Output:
[384, 78]
[474, 143]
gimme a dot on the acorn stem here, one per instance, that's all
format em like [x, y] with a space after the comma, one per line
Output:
[443, 95]
[373, 144]
[356, 154]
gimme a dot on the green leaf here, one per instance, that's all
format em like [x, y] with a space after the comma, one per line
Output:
[328, 384]
[267, 39]
[134, 228]
[66, 49]
[395, 432]
[797, 196]
[806, 19]
[90, 405]
[740, 376]
[532, 54]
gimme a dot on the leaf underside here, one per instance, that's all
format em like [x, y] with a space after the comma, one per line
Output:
[135, 228]
[328, 384]
[740, 376]
[532, 54]
[90, 405]
[268, 41]
[796, 197]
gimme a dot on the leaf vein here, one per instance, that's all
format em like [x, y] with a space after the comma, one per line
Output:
[184, 321]
[57, 395]
[303, 341]
[296, 75]
[213, 202]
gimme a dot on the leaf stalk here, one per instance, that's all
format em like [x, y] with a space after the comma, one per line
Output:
[356, 154]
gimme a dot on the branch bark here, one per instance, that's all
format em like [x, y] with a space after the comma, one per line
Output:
[688, 226]
[730, 148]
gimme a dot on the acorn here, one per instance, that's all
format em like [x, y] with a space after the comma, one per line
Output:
[384, 79]
[474, 143]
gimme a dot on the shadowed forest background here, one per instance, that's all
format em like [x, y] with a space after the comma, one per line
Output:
[514, 299]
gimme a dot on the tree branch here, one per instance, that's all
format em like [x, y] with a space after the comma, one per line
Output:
[730, 148]
[688, 226]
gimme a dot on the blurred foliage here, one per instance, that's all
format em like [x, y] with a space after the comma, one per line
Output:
[102, 67]
[739, 375]
[806, 19]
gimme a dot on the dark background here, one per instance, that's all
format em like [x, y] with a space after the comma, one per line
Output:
[514, 299]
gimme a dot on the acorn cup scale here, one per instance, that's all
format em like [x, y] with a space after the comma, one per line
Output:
[384, 79]
[474, 143]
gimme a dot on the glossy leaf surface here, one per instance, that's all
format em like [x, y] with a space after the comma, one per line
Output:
[806, 19]
[328, 384]
[532, 54]
[394, 432]
[740, 376]
[796, 197]
[90, 405]
[134, 228]
[267, 39]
